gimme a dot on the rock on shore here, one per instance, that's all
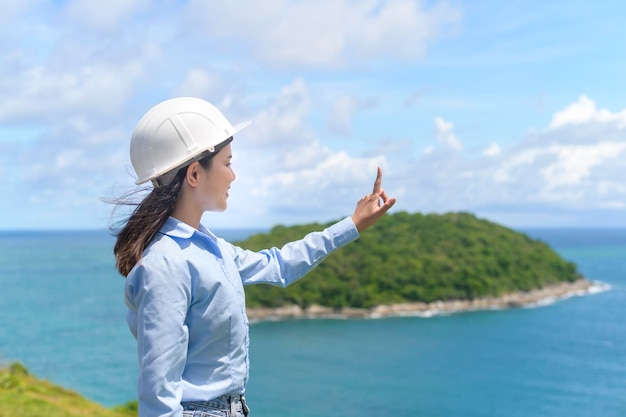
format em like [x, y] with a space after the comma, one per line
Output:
[541, 296]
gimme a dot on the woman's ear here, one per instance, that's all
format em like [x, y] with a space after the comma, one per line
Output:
[193, 174]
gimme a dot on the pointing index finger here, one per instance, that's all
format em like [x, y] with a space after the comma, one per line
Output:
[378, 182]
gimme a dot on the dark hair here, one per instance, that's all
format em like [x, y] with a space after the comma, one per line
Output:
[150, 215]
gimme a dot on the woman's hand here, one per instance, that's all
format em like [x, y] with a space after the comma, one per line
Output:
[369, 209]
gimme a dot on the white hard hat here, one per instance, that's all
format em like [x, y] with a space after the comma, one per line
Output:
[174, 132]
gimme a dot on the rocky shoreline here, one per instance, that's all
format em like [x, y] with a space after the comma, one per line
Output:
[541, 296]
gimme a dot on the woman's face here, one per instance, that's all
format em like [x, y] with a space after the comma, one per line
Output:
[215, 184]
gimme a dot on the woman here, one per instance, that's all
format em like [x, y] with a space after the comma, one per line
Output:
[184, 286]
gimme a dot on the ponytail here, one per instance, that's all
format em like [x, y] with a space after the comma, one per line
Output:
[144, 223]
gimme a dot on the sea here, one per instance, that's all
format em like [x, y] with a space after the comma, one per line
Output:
[63, 317]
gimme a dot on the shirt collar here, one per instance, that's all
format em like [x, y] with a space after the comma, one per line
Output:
[181, 230]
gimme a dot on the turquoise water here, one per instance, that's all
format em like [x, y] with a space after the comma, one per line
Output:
[63, 317]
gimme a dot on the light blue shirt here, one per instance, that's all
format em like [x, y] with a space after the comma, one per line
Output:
[186, 308]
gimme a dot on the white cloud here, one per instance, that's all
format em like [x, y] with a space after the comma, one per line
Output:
[109, 15]
[76, 155]
[519, 159]
[284, 119]
[554, 169]
[342, 113]
[575, 163]
[42, 93]
[584, 111]
[315, 180]
[444, 132]
[340, 117]
[200, 83]
[326, 33]
[401, 28]
[305, 182]
[492, 150]
[12, 10]
[305, 157]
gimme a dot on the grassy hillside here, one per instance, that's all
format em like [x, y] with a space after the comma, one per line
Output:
[414, 257]
[24, 395]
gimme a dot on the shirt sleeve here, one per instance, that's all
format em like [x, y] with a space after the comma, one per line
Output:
[158, 296]
[291, 262]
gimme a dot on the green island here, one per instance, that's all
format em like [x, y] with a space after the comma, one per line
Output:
[418, 260]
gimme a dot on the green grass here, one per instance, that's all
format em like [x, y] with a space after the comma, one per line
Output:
[24, 395]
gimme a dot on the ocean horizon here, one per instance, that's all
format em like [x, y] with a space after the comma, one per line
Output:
[63, 318]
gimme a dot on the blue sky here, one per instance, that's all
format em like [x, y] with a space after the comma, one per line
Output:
[515, 111]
